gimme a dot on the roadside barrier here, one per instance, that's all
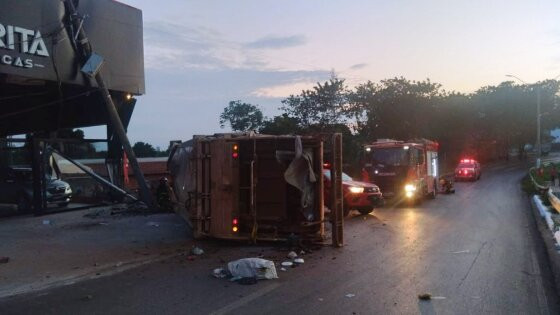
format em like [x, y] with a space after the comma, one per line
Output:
[553, 198]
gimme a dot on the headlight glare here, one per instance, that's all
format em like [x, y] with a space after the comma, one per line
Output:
[409, 188]
[356, 190]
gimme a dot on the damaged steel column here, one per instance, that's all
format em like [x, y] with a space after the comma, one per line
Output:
[86, 51]
[337, 202]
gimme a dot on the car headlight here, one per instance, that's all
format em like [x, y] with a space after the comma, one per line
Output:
[409, 188]
[356, 190]
[68, 190]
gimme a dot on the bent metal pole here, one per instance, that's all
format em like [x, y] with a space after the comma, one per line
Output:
[85, 49]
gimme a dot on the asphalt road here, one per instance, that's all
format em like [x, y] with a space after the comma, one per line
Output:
[476, 252]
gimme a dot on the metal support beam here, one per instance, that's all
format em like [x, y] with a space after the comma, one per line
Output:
[38, 172]
[96, 177]
[337, 202]
[85, 49]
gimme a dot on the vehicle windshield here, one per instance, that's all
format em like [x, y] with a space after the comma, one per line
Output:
[389, 156]
[345, 177]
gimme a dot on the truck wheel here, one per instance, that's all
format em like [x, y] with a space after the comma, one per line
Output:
[365, 211]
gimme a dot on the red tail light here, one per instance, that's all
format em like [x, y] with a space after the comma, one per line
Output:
[235, 225]
[235, 151]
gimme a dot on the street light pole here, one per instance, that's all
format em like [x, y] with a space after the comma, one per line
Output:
[538, 126]
[538, 91]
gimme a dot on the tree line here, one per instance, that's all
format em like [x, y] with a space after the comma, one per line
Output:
[484, 124]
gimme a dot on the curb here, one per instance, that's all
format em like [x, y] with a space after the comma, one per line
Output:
[553, 256]
[100, 272]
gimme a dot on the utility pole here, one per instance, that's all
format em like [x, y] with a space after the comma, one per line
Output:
[538, 125]
[85, 52]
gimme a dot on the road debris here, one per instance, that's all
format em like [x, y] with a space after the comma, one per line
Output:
[46, 222]
[151, 223]
[219, 273]
[425, 296]
[88, 297]
[350, 295]
[252, 267]
[283, 269]
[4, 260]
[287, 264]
[292, 255]
[197, 251]
[299, 261]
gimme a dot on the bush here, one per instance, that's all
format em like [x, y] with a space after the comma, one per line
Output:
[527, 185]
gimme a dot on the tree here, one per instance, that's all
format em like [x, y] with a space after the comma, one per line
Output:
[241, 116]
[400, 108]
[281, 125]
[321, 106]
[142, 149]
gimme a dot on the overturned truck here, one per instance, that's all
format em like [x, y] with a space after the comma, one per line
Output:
[249, 186]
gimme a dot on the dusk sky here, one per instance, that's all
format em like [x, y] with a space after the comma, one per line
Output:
[199, 55]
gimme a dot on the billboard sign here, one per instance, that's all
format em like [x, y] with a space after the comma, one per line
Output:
[36, 42]
[24, 41]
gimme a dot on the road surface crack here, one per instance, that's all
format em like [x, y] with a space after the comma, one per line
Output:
[472, 264]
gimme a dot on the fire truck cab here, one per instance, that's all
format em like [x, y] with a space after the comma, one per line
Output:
[405, 170]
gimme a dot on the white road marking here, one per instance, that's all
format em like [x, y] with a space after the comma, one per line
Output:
[438, 297]
[245, 300]
[461, 252]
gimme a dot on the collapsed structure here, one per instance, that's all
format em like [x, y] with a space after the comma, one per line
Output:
[69, 64]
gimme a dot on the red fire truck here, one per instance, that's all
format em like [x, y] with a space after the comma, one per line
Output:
[403, 169]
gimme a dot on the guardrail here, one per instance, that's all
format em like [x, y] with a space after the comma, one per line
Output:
[550, 191]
